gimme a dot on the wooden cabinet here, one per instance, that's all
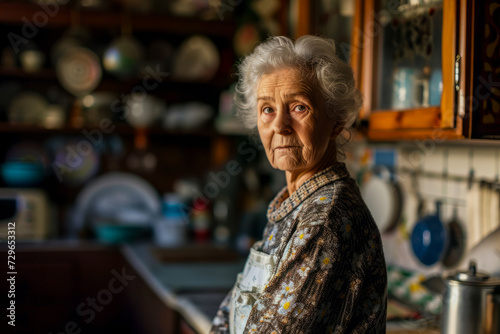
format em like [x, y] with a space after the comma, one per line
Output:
[57, 289]
[87, 289]
[427, 69]
[411, 54]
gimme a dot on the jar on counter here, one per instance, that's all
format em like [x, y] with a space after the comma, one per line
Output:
[170, 229]
[201, 221]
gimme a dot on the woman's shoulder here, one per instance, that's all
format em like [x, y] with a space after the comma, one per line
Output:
[335, 204]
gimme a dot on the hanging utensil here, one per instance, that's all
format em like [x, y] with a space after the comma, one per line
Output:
[79, 71]
[382, 195]
[455, 241]
[429, 239]
[75, 36]
[123, 57]
[473, 202]
[78, 68]
[456, 244]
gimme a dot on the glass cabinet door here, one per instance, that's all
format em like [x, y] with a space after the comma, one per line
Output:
[334, 19]
[407, 71]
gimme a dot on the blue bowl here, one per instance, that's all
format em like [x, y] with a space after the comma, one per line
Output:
[428, 240]
[115, 233]
[20, 173]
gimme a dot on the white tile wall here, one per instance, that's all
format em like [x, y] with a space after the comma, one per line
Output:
[431, 159]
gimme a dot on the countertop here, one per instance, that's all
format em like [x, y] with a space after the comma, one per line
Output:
[195, 290]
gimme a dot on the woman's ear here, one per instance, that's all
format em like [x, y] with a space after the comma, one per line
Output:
[336, 131]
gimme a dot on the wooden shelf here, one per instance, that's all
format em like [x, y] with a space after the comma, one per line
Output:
[11, 13]
[438, 135]
[111, 83]
[15, 72]
[122, 129]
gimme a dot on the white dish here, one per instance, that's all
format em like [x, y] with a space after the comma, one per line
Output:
[27, 108]
[109, 194]
[197, 59]
[79, 71]
[143, 111]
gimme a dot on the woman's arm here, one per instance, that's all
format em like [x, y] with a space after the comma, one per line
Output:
[326, 283]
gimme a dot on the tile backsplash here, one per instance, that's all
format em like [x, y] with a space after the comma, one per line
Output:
[431, 162]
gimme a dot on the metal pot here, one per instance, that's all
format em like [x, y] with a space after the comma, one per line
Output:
[471, 303]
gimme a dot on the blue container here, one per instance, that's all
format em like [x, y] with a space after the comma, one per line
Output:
[20, 173]
[115, 233]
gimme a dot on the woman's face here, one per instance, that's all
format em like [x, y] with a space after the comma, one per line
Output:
[295, 133]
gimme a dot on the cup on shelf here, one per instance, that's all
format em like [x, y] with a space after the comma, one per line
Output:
[32, 60]
[403, 88]
[435, 87]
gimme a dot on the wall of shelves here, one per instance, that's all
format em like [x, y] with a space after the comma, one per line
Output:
[12, 14]
[179, 152]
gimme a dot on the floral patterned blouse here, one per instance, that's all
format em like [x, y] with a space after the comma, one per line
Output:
[330, 275]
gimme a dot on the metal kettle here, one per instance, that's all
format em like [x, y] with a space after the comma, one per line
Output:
[471, 303]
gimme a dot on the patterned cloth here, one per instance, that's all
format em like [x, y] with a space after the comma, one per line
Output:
[331, 274]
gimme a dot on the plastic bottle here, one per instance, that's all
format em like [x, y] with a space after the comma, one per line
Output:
[170, 229]
[201, 221]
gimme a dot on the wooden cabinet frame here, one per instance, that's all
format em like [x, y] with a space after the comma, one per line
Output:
[443, 122]
[448, 121]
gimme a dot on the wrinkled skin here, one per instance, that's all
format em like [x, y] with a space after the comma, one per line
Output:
[297, 134]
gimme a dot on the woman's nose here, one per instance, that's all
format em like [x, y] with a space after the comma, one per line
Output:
[282, 123]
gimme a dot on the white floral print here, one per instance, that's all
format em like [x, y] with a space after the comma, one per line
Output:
[271, 239]
[326, 260]
[286, 305]
[323, 199]
[301, 238]
[287, 288]
[303, 270]
[253, 328]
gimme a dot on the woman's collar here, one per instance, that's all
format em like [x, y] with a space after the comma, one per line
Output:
[284, 203]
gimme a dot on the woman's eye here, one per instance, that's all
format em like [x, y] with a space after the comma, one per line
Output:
[300, 108]
[267, 110]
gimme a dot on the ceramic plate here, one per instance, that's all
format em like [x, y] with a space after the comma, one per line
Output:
[27, 108]
[197, 59]
[79, 71]
[110, 193]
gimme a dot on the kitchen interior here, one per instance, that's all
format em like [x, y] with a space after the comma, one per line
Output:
[136, 192]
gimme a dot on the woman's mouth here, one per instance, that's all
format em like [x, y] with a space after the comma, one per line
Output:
[284, 147]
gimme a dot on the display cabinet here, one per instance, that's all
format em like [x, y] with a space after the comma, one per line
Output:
[173, 152]
[428, 69]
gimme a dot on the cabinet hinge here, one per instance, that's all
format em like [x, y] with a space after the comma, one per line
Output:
[457, 73]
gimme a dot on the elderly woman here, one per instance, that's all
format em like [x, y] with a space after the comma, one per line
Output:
[319, 267]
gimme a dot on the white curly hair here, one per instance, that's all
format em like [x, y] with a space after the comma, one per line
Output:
[315, 58]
